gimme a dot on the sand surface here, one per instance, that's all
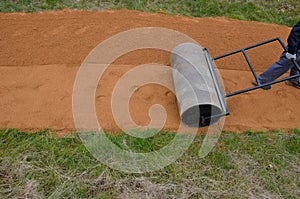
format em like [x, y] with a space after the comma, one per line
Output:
[42, 52]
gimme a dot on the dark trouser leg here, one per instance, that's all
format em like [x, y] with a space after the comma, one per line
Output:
[276, 70]
[294, 70]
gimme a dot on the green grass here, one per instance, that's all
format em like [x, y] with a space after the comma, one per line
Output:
[286, 12]
[247, 165]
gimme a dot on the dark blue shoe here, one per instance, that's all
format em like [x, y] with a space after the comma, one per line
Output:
[296, 84]
[265, 87]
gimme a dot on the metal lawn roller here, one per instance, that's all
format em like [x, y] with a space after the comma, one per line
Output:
[194, 75]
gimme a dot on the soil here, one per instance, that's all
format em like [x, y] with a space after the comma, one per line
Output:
[42, 52]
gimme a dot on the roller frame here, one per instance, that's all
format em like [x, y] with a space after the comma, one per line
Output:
[243, 51]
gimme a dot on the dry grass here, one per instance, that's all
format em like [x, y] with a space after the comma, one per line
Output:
[249, 165]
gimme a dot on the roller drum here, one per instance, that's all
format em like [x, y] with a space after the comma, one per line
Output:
[196, 92]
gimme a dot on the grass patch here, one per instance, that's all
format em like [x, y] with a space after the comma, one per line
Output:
[140, 145]
[248, 165]
[285, 12]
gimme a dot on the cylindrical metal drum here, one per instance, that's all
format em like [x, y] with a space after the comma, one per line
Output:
[196, 92]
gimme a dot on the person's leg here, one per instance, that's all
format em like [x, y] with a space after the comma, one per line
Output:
[294, 70]
[276, 70]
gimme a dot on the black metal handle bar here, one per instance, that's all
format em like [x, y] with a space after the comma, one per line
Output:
[243, 51]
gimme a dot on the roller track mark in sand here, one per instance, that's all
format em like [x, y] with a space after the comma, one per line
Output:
[80, 31]
[135, 88]
[282, 93]
[57, 30]
[231, 81]
[36, 87]
[99, 97]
